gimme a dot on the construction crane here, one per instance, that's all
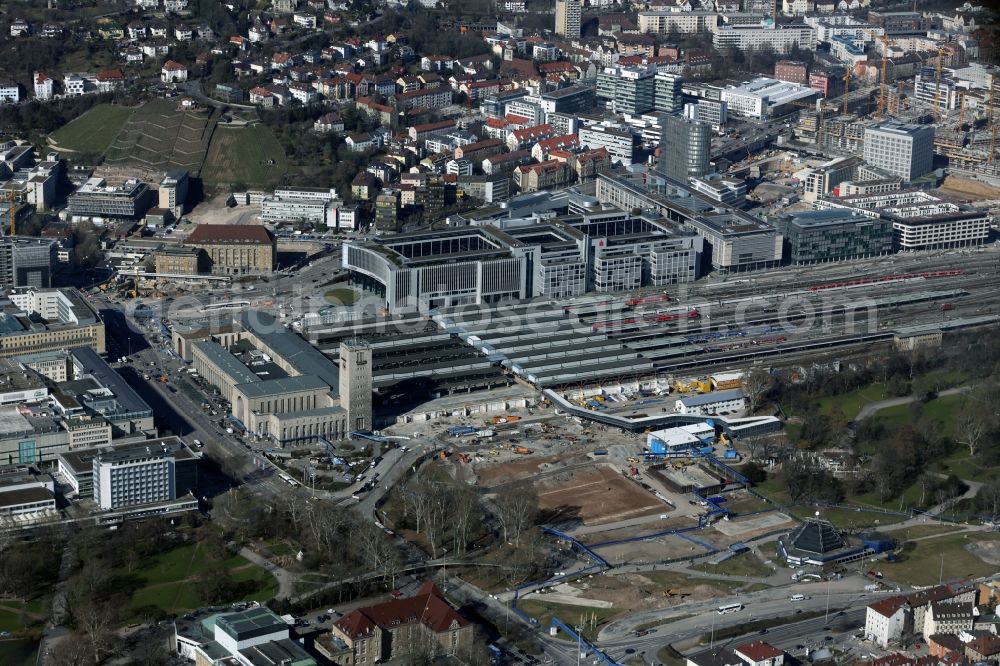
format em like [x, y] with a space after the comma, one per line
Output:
[937, 85]
[847, 87]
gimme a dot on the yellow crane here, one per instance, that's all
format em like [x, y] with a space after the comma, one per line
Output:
[847, 87]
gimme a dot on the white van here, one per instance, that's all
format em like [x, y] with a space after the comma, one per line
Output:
[797, 597]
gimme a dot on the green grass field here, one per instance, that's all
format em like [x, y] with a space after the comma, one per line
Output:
[852, 402]
[923, 562]
[17, 616]
[571, 615]
[169, 580]
[744, 564]
[244, 156]
[94, 131]
[341, 296]
[847, 519]
[941, 409]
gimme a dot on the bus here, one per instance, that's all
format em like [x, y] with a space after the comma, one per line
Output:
[730, 608]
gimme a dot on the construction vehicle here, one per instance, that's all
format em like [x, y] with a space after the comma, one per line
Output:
[498, 420]
[633, 459]
[522, 450]
[442, 455]
[163, 379]
[464, 458]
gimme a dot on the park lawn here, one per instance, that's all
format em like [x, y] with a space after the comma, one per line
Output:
[16, 616]
[921, 561]
[341, 296]
[852, 401]
[965, 467]
[170, 579]
[848, 519]
[242, 156]
[941, 409]
[773, 489]
[568, 614]
[744, 564]
[94, 131]
[747, 504]
[920, 531]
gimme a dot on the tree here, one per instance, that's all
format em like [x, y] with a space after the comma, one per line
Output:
[756, 385]
[516, 509]
[215, 585]
[754, 473]
[87, 253]
[97, 621]
[971, 427]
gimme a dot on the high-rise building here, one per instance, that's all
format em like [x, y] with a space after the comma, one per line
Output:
[685, 148]
[157, 471]
[668, 97]
[356, 383]
[901, 149]
[628, 89]
[26, 262]
[173, 191]
[568, 17]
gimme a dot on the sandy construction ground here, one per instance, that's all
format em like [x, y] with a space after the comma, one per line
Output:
[596, 495]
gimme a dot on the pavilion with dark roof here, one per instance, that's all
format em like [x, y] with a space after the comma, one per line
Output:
[817, 542]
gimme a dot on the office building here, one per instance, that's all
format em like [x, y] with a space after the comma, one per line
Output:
[620, 143]
[49, 319]
[313, 206]
[173, 192]
[900, 149]
[765, 97]
[97, 201]
[733, 240]
[235, 249]
[387, 212]
[791, 71]
[713, 112]
[507, 253]
[26, 262]
[629, 89]
[570, 100]
[569, 14]
[920, 221]
[833, 235]
[667, 95]
[144, 473]
[177, 260]
[685, 148]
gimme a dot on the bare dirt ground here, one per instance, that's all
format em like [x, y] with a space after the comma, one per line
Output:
[596, 495]
[987, 551]
[672, 523]
[491, 475]
[637, 591]
[964, 188]
[214, 211]
[650, 551]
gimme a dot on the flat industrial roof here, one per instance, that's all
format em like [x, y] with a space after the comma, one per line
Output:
[259, 388]
[93, 364]
[291, 347]
[226, 362]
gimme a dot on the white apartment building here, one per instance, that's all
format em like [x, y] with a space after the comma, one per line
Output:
[664, 22]
[43, 86]
[884, 621]
[900, 149]
[779, 38]
[10, 93]
[758, 98]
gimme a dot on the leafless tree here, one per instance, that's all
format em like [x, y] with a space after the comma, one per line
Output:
[97, 621]
[971, 427]
[71, 650]
[516, 509]
[756, 385]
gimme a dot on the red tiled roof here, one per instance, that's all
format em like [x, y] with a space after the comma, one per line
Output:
[427, 607]
[230, 233]
[887, 607]
[987, 646]
[173, 66]
[532, 132]
[758, 651]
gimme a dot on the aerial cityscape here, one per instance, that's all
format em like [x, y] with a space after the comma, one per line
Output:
[468, 332]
